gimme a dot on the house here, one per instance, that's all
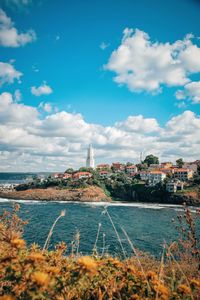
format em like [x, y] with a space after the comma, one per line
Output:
[144, 175]
[191, 166]
[103, 167]
[58, 175]
[168, 171]
[80, 175]
[118, 166]
[155, 177]
[132, 174]
[131, 169]
[183, 174]
[166, 165]
[153, 167]
[174, 185]
[67, 175]
[104, 174]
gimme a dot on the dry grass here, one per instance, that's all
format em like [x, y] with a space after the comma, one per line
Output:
[33, 273]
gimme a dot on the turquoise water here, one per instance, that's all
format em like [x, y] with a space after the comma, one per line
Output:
[147, 225]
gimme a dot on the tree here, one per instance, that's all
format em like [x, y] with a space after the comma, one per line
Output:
[151, 159]
[69, 170]
[179, 163]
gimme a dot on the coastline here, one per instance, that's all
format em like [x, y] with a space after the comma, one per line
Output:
[91, 194]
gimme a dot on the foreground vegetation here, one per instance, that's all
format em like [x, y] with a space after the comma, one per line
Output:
[35, 273]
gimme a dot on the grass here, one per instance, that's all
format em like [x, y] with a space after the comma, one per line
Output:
[35, 273]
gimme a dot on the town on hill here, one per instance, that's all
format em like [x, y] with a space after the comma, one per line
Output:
[147, 181]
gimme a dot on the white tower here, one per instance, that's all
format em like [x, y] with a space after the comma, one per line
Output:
[90, 157]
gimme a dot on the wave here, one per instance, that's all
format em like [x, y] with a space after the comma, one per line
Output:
[142, 205]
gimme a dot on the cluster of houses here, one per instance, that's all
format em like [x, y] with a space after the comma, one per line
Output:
[154, 174]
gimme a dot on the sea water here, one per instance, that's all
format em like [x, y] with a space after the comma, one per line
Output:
[148, 226]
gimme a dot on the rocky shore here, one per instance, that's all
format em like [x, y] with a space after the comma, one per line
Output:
[89, 194]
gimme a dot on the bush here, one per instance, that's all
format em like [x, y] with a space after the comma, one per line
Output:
[33, 273]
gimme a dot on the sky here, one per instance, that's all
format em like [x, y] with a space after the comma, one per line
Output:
[123, 75]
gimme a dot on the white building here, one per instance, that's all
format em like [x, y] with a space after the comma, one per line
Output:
[90, 157]
[131, 169]
[155, 177]
[144, 175]
[174, 185]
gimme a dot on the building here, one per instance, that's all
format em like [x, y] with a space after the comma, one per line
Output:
[168, 171]
[191, 166]
[174, 185]
[153, 167]
[155, 177]
[67, 175]
[104, 174]
[117, 166]
[58, 175]
[131, 169]
[166, 165]
[183, 174]
[90, 157]
[144, 175]
[80, 175]
[103, 167]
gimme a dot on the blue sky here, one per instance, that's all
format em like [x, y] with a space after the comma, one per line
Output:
[66, 56]
[73, 65]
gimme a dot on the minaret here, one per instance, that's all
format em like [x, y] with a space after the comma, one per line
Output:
[90, 157]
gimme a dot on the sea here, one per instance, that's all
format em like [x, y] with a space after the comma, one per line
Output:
[148, 226]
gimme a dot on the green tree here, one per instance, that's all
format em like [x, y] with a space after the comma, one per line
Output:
[69, 170]
[179, 163]
[151, 159]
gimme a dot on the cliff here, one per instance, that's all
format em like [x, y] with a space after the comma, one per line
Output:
[90, 194]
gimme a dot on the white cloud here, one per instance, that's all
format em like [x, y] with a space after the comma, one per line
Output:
[139, 124]
[144, 65]
[18, 3]
[8, 73]
[191, 91]
[32, 142]
[43, 89]
[9, 35]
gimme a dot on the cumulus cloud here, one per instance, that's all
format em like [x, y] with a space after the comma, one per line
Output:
[8, 73]
[139, 124]
[191, 91]
[9, 35]
[43, 89]
[30, 141]
[144, 65]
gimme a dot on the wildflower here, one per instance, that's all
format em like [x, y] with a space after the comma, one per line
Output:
[195, 283]
[40, 278]
[54, 270]
[184, 289]
[18, 243]
[163, 291]
[7, 297]
[36, 256]
[63, 212]
[88, 263]
[151, 275]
